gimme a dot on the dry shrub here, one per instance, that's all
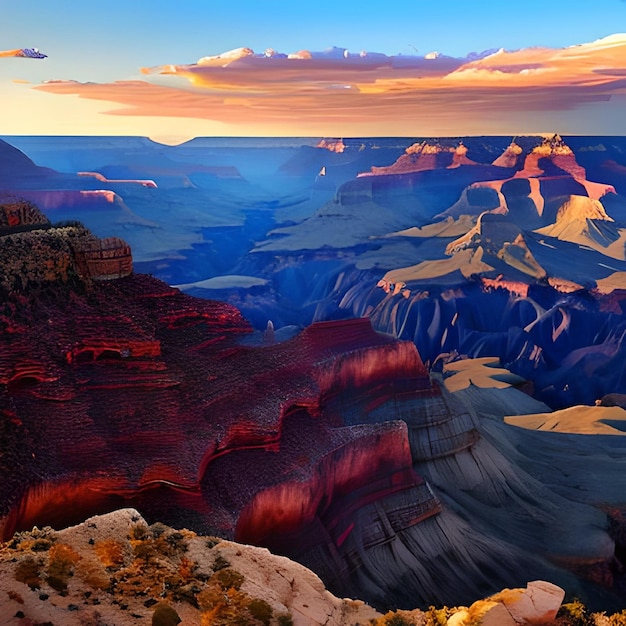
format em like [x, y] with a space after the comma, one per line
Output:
[186, 568]
[574, 614]
[27, 572]
[93, 573]
[223, 604]
[111, 553]
[229, 578]
[62, 559]
[230, 607]
[261, 610]
[618, 619]
[398, 618]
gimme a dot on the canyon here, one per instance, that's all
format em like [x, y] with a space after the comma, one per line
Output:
[358, 384]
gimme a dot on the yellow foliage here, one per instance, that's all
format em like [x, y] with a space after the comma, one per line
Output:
[110, 552]
[186, 568]
[93, 573]
[63, 555]
[62, 559]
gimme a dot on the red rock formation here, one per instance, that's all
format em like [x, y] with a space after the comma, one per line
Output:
[459, 157]
[510, 156]
[34, 254]
[104, 259]
[17, 212]
[51, 199]
[423, 156]
[110, 371]
[145, 182]
[558, 152]
[101, 407]
[332, 145]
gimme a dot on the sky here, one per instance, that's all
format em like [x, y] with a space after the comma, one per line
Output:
[130, 68]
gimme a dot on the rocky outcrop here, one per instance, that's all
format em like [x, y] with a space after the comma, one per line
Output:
[510, 156]
[34, 254]
[425, 156]
[536, 605]
[498, 236]
[18, 214]
[459, 157]
[584, 221]
[15, 166]
[420, 157]
[332, 145]
[556, 152]
[116, 569]
[104, 259]
[477, 199]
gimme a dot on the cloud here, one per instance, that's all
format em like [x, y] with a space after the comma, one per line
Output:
[336, 89]
[26, 53]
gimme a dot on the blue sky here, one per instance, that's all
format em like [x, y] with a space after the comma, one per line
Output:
[98, 39]
[108, 42]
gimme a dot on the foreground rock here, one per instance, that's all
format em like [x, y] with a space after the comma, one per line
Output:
[115, 569]
[538, 604]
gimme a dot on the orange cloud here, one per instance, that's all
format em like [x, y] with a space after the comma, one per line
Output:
[349, 94]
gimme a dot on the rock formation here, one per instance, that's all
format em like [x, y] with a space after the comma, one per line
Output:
[107, 364]
[423, 156]
[115, 569]
[104, 259]
[332, 145]
[334, 447]
[325, 448]
[15, 166]
[459, 157]
[17, 214]
[584, 221]
[510, 156]
[537, 604]
[555, 152]
[35, 254]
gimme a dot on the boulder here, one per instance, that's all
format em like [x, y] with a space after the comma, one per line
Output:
[537, 604]
[489, 613]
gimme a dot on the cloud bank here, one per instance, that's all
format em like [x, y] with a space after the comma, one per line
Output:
[362, 93]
